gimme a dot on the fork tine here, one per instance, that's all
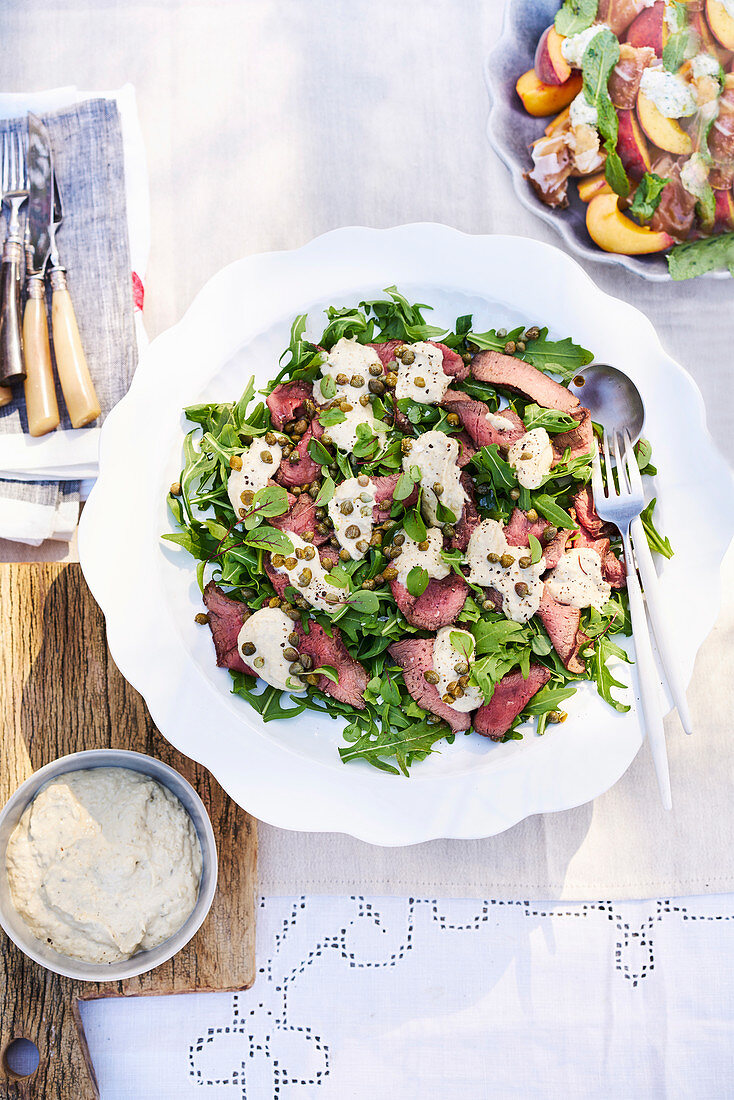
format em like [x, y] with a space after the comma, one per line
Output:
[622, 475]
[14, 183]
[633, 470]
[6, 163]
[22, 182]
[611, 488]
[597, 481]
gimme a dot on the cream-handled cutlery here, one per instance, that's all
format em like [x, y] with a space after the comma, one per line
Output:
[42, 407]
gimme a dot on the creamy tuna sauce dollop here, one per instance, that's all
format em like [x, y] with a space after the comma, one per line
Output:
[577, 580]
[436, 456]
[263, 641]
[520, 585]
[103, 863]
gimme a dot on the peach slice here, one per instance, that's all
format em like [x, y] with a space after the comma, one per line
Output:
[720, 23]
[664, 132]
[550, 65]
[546, 99]
[594, 185]
[631, 146]
[724, 213]
[615, 232]
[558, 123]
[649, 28]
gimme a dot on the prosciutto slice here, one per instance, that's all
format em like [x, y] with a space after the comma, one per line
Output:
[562, 624]
[721, 134]
[552, 165]
[226, 619]
[677, 207]
[618, 14]
[438, 606]
[286, 402]
[415, 657]
[514, 374]
[474, 418]
[323, 650]
[624, 83]
[511, 695]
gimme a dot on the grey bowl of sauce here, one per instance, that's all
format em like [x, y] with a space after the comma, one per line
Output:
[140, 962]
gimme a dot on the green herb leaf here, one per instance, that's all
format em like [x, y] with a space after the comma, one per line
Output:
[326, 492]
[328, 671]
[604, 650]
[600, 57]
[417, 580]
[561, 357]
[329, 417]
[405, 485]
[655, 540]
[319, 453]
[463, 642]
[553, 512]
[575, 16]
[647, 196]
[364, 601]
[686, 261]
[548, 698]
[270, 501]
[553, 421]
[444, 514]
[614, 172]
[414, 526]
[269, 538]
[328, 387]
[536, 550]
[489, 461]
[680, 47]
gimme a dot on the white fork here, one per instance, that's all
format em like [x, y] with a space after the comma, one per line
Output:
[621, 506]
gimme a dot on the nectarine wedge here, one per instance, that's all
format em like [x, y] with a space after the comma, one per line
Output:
[664, 132]
[632, 146]
[594, 185]
[546, 99]
[724, 213]
[649, 28]
[720, 23]
[550, 65]
[615, 232]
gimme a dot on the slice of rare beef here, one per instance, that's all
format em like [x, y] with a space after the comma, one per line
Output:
[511, 695]
[415, 657]
[226, 618]
[514, 374]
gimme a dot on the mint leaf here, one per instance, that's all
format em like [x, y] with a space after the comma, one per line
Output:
[575, 16]
[647, 196]
[686, 261]
[417, 580]
[680, 47]
[600, 57]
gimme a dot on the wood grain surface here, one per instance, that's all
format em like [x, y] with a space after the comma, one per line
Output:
[61, 692]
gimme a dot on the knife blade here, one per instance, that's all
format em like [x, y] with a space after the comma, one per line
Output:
[40, 390]
[77, 386]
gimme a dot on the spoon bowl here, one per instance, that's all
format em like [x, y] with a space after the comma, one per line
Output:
[612, 398]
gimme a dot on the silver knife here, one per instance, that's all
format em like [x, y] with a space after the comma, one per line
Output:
[40, 390]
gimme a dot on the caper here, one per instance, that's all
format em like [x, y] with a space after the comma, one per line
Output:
[376, 369]
[202, 618]
[331, 598]
[296, 490]
[235, 462]
[309, 406]
[288, 428]
[357, 380]
[391, 380]
[248, 648]
[309, 553]
[461, 667]
[419, 381]
[175, 489]
[287, 450]
[274, 601]
[448, 698]
[303, 604]
[488, 605]
[430, 676]
[506, 560]
[464, 680]
[449, 530]
[305, 576]
[296, 669]
[531, 333]
[532, 515]
[557, 716]
[390, 573]
[344, 555]
[406, 446]
[290, 563]
[433, 720]
[306, 661]
[258, 662]
[369, 584]
[549, 534]
[312, 680]
[314, 491]
[294, 457]
[501, 333]
[521, 588]
[394, 552]
[424, 545]
[266, 457]
[438, 489]
[342, 379]
[362, 545]
[376, 539]
[352, 531]
[514, 494]
[301, 426]
[525, 562]
[294, 615]
[494, 558]
[322, 529]
[345, 406]
[398, 540]
[376, 386]
[408, 357]
[520, 345]
[321, 512]
[299, 552]
[270, 438]
[293, 638]
[290, 654]
[458, 691]
[326, 439]
[364, 400]
[453, 419]
[510, 347]
[278, 560]
[247, 496]
[307, 536]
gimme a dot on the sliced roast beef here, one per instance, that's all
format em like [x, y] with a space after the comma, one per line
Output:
[305, 470]
[226, 618]
[514, 374]
[324, 650]
[278, 580]
[467, 450]
[552, 551]
[384, 488]
[437, 606]
[415, 657]
[511, 695]
[552, 165]
[624, 83]
[612, 568]
[300, 519]
[677, 207]
[520, 528]
[474, 416]
[328, 556]
[580, 439]
[470, 518]
[286, 402]
[587, 515]
[562, 624]
[386, 352]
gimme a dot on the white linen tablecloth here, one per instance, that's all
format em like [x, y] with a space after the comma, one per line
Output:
[267, 122]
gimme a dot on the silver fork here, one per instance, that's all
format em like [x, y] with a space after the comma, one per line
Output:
[620, 506]
[15, 193]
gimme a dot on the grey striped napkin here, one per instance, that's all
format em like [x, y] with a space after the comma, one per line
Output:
[93, 244]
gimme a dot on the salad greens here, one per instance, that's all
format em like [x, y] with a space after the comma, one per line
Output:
[393, 732]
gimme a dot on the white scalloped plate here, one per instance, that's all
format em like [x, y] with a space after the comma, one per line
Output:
[289, 773]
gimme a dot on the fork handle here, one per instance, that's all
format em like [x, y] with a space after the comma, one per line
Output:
[658, 618]
[647, 677]
[71, 363]
[12, 368]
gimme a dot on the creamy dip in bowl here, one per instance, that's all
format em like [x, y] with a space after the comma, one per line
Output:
[109, 864]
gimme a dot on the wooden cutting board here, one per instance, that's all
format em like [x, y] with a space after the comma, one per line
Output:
[60, 692]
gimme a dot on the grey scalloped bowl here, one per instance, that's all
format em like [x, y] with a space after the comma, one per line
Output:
[511, 130]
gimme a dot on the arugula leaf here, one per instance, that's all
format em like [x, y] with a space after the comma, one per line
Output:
[399, 320]
[647, 196]
[553, 421]
[553, 512]
[604, 650]
[417, 580]
[267, 702]
[655, 540]
[328, 671]
[575, 16]
[269, 538]
[489, 461]
[686, 261]
[414, 526]
[600, 57]
[561, 357]
[548, 698]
